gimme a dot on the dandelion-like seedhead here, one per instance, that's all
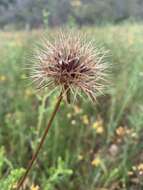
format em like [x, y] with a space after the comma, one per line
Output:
[71, 63]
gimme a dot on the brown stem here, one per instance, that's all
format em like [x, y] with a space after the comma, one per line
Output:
[34, 157]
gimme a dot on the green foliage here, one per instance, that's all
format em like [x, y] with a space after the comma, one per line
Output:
[7, 182]
[71, 23]
[10, 181]
[57, 174]
[1, 159]
[45, 18]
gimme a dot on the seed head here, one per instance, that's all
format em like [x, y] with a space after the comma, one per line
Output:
[70, 63]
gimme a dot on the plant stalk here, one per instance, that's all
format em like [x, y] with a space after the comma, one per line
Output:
[35, 155]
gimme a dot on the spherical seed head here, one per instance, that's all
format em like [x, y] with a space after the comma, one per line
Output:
[70, 63]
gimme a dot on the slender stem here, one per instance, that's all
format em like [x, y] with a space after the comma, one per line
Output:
[34, 157]
[41, 111]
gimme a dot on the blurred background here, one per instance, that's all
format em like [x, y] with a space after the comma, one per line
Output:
[89, 146]
[28, 14]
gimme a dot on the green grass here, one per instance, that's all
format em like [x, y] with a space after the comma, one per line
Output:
[89, 147]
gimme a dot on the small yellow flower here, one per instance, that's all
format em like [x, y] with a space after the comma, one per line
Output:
[80, 157]
[98, 126]
[96, 162]
[33, 187]
[121, 131]
[140, 167]
[134, 135]
[3, 78]
[134, 168]
[85, 119]
[100, 130]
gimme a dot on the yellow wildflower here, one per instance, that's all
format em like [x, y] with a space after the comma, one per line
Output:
[134, 168]
[33, 187]
[85, 119]
[96, 162]
[98, 126]
[120, 131]
[140, 167]
[100, 130]
[80, 157]
[2, 78]
[134, 135]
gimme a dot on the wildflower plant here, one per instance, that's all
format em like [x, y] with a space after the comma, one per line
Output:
[71, 65]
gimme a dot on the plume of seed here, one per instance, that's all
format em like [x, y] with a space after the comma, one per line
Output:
[70, 63]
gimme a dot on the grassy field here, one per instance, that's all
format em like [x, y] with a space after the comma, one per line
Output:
[90, 146]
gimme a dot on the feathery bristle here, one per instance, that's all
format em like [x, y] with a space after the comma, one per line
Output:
[70, 63]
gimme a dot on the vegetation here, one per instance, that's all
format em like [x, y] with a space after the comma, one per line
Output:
[36, 13]
[89, 146]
